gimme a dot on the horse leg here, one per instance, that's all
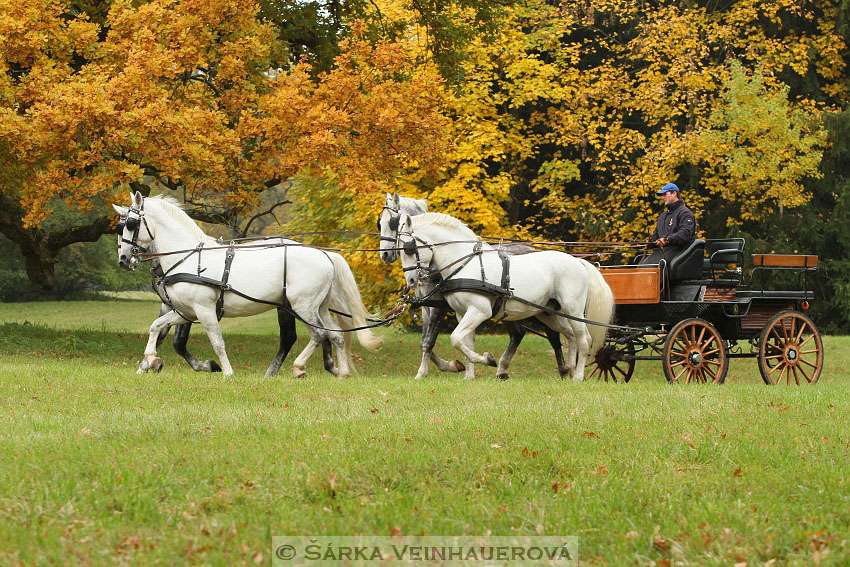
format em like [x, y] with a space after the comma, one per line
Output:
[318, 336]
[181, 337]
[432, 319]
[150, 361]
[516, 332]
[463, 339]
[343, 322]
[208, 319]
[554, 338]
[164, 333]
[555, 327]
[286, 322]
[328, 357]
[583, 341]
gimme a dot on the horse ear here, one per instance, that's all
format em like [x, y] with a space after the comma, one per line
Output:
[138, 198]
[120, 210]
[395, 198]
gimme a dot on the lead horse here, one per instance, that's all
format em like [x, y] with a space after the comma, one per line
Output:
[558, 289]
[254, 279]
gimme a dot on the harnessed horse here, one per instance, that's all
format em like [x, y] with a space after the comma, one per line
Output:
[562, 291]
[435, 308]
[300, 279]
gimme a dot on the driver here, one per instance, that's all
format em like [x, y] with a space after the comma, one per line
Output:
[675, 229]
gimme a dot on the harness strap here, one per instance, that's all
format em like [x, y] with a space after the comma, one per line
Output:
[506, 285]
[224, 286]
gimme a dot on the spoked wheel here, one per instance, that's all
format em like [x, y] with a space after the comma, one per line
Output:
[695, 352]
[790, 349]
[614, 362]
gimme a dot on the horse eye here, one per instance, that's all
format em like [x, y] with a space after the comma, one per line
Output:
[394, 223]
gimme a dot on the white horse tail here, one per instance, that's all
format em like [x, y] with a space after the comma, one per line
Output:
[345, 296]
[600, 306]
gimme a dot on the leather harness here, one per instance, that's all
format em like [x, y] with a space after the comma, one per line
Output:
[162, 279]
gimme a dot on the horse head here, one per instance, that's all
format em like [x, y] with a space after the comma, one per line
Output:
[388, 227]
[134, 234]
[416, 254]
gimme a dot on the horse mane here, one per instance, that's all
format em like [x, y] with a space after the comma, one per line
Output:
[174, 209]
[412, 206]
[440, 219]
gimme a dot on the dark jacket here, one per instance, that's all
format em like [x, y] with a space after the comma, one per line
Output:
[676, 224]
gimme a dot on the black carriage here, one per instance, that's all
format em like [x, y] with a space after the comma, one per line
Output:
[693, 313]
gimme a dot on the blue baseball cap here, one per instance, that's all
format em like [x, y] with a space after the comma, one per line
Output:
[667, 188]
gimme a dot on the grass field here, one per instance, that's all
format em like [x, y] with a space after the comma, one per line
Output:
[100, 466]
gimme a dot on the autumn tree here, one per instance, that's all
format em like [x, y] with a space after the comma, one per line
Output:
[180, 95]
[575, 114]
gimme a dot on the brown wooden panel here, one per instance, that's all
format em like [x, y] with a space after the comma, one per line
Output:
[719, 294]
[634, 285]
[756, 319]
[785, 260]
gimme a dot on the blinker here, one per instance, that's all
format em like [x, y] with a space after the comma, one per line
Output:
[132, 223]
[393, 223]
[409, 247]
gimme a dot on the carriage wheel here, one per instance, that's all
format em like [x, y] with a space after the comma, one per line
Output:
[614, 362]
[695, 352]
[790, 349]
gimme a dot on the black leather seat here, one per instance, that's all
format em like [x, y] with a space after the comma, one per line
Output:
[722, 253]
[689, 263]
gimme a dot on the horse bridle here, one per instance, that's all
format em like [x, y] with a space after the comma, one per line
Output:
[393, 224]
[134, 224]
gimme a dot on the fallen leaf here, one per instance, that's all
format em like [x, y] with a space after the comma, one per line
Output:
[590, 434]
[374, 410]
[602, 469]
[737, 472]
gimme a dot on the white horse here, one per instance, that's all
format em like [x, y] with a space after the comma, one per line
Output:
[202, 284]
[545, 284]
[433, 316]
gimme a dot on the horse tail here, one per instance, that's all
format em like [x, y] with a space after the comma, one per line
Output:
[599, 307]
[346, 297]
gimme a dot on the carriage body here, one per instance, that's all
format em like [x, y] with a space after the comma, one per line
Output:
[695, 325]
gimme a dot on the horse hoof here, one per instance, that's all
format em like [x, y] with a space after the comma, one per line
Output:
[459, 367]
[156, 365]
[502, 376]
[214, 367]
[491, 360]
[299, 374]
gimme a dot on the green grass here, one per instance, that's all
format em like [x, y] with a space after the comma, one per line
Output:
[100, 466]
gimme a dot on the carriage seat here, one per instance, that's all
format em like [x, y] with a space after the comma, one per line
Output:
[688, 264]
[725, 256]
